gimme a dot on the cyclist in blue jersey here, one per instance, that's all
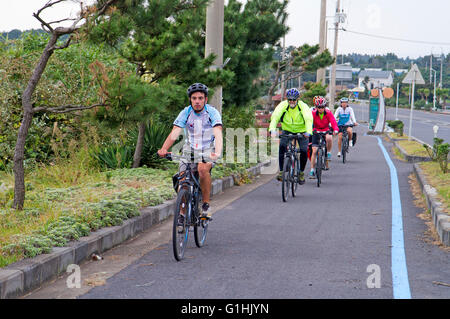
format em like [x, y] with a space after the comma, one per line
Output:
[347, 118]
[203, 127]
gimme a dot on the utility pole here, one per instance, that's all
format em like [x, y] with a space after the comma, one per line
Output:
[431, 65]
[322, 39]
[214, 44]
[283, 85]
[337, 18]
[396, 103]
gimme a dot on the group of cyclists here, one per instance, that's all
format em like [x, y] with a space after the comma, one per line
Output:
[296, 117]
[203, 127]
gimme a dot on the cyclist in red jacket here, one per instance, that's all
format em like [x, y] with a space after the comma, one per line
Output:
[323, 119]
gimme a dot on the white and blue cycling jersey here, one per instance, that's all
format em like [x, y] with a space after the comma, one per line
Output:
[346, 117]
[199, 126]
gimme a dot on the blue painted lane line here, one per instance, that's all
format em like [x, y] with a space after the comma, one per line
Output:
[400, 282]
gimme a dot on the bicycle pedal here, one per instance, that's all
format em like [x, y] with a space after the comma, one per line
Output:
[207, 218]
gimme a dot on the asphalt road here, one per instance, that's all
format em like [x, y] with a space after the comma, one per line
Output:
[422, 125]
[329, 242]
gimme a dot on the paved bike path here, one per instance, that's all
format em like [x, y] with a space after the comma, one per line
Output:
[317, 245]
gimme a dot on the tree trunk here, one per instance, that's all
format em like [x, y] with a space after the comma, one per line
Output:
[19, 152]
[139, 145]
[19, 172]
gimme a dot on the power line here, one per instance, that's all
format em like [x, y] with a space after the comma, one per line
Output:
[396, 39]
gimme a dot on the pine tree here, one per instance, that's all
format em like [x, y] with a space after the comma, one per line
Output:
[164, 39]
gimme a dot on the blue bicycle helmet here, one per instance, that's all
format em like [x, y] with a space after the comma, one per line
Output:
[292, 94]
[344, 99]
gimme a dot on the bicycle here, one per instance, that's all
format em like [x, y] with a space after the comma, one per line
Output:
[291, 166]
[321, 156]
[344, 146]
[187, 212]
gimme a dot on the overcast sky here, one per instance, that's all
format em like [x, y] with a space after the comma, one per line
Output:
[426, 21]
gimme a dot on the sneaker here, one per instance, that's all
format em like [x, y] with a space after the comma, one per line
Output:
[280, 176]
[351, 143]
[301, 178]
[329, 156]
[312, 175]
[339, 154]
[205, 211]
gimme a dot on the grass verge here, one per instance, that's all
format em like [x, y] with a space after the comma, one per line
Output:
[438, 180]
[67, 201]
[413, 148]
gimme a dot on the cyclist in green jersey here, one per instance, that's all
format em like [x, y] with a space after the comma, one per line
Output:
[295, 117]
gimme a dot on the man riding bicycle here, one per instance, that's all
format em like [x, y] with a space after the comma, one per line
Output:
[323, 119]
[346, 119]
[295, 117]
[203, 127]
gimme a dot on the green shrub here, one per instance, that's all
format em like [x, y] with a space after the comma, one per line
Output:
[439, 153]
[113, 156]
[397, 125]
[154, 137]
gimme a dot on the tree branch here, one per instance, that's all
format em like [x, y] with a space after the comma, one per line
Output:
[65, 108]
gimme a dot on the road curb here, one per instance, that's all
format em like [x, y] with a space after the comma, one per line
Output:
[411, 158]
[441, 220]
[28, 274]
[406, 156]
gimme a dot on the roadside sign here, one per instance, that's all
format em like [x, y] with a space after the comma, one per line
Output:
[373, 111]
[388, 93]
[414, 75]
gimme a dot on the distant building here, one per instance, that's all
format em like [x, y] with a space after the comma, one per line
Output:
[377, 79]
[344, 75]
[400, 71]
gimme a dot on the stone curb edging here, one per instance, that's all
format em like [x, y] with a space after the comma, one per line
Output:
[28, 274]
[441, 220]
[406, 156]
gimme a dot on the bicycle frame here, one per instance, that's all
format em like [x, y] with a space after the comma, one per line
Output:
[291, 166]
[188, 180]
[189, 189]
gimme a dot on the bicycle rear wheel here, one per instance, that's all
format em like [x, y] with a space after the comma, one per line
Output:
[181, 221]
[286, 179]
[344, 149]
[295, 167]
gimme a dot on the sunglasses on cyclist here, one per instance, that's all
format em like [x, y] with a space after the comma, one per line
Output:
[320, 107]
[292, 100]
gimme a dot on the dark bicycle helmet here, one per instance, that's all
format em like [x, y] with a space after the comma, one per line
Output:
[197, 87]
[292, 94]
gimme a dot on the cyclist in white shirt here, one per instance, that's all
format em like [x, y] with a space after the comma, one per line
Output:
[347, 119]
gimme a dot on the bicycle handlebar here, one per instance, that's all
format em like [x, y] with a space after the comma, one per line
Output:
[187, 156]
[291, 135]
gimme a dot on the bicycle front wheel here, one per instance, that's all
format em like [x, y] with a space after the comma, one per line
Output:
[181, 221]
[286, 179]
[295, 169]
[319, 167]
